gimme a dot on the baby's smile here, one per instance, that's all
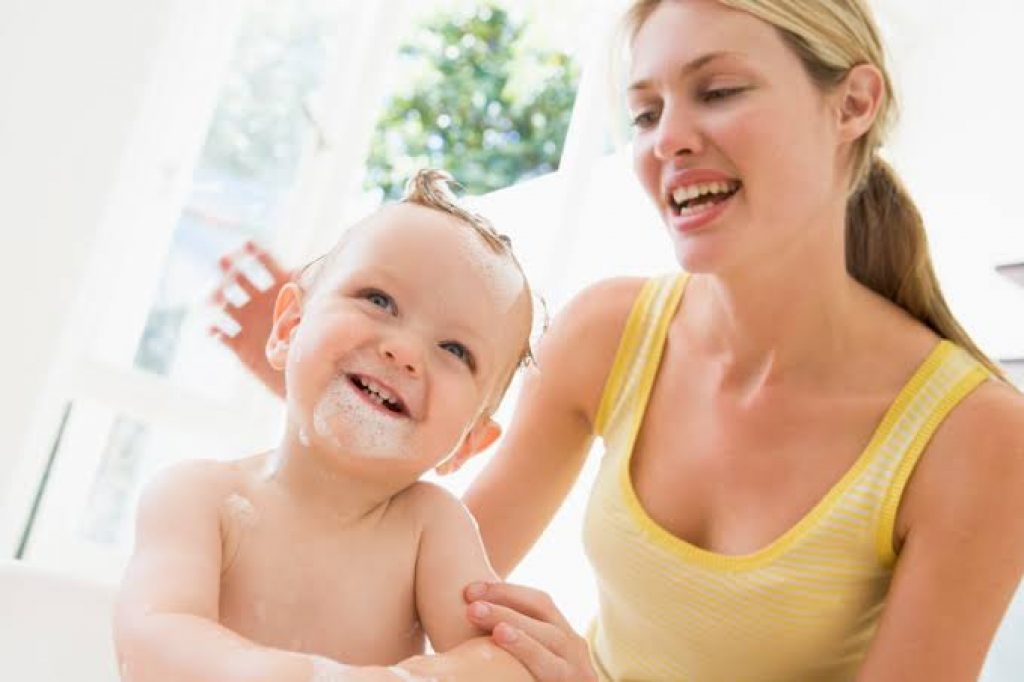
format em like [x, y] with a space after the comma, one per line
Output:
[361, 416]
[380, 395]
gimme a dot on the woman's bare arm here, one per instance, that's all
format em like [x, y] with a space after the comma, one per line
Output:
[963, 546]
[514, 498]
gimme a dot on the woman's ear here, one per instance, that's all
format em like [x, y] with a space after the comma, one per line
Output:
[861, 95]
[480, 437]
[287, 315]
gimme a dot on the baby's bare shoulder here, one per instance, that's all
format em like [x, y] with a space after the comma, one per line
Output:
[201, 484]
[431, 506]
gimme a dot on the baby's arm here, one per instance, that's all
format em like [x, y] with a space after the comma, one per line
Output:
[451, 555]
[166, 622]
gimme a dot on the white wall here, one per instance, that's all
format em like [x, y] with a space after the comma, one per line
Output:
[73, 76]
[958, 146]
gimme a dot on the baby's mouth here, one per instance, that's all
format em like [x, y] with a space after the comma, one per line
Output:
[379, 394]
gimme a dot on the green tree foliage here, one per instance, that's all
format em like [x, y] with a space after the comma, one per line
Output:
[485, 105]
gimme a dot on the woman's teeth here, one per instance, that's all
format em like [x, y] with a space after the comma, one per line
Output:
[691, 199]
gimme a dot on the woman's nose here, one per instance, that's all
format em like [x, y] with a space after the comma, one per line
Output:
[677, 134]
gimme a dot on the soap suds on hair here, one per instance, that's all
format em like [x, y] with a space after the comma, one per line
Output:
[499, 273]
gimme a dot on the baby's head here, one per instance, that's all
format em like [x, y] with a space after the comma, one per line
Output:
[399, 343]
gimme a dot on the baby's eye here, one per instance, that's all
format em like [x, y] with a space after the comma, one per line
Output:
[460, 352]
[379, 299]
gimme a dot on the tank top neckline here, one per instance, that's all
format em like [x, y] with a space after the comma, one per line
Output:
[689, 551]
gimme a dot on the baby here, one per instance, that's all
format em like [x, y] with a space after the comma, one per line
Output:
[397, 346]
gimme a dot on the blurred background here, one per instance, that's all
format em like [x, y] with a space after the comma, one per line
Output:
[140, 141]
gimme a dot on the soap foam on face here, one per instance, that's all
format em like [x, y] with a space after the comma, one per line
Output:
[367, 431]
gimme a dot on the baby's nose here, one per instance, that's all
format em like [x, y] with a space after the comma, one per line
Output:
[404, 355]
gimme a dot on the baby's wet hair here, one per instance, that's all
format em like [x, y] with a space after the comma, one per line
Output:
[432, 188]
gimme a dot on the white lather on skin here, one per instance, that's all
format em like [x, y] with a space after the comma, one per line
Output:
[367, 431]
[240, 509]
[326, 670]
[497, 271]
[407, 676]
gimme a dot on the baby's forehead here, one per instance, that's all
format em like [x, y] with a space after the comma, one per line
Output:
[438, 262]
[441, 245]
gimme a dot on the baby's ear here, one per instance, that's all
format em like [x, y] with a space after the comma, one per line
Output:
[287, 315]
[480, 437]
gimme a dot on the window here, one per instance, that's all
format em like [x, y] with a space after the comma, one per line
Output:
[150, 387]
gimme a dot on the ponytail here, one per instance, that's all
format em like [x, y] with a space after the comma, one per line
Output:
[887, 251]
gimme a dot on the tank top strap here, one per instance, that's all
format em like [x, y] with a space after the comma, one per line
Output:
[639, 352]
[948, 376]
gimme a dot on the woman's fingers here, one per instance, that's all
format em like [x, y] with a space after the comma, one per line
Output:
[267, 260]
[526, 600]
[487, 616]
[250, 269]
[527, 624]
[542, 663]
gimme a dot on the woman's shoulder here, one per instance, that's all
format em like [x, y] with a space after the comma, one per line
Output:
[581, 343]
[602, 306]
[974, 465]
[990, 421]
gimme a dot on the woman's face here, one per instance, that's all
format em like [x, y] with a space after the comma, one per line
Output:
[733, 142]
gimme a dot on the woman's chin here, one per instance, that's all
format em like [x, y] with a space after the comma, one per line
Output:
[698, 258]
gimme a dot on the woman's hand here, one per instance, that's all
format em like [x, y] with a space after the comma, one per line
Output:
[251, 308]
[528, 625]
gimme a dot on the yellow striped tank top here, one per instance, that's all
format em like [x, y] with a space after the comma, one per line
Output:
[803, 608]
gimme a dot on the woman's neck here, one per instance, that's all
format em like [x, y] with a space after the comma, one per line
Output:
[786, 317]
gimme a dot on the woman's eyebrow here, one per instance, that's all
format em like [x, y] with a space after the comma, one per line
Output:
[687, 68]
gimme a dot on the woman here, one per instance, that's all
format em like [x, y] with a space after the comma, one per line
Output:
[810, 471]
[755, 517]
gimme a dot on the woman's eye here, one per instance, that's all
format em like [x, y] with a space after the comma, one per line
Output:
[644, 120]
[460, 352]
[380, 299]
[719, 94]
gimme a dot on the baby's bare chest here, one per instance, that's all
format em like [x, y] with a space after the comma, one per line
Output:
[346, 594]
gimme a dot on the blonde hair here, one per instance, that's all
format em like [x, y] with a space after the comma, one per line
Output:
[886, 245]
